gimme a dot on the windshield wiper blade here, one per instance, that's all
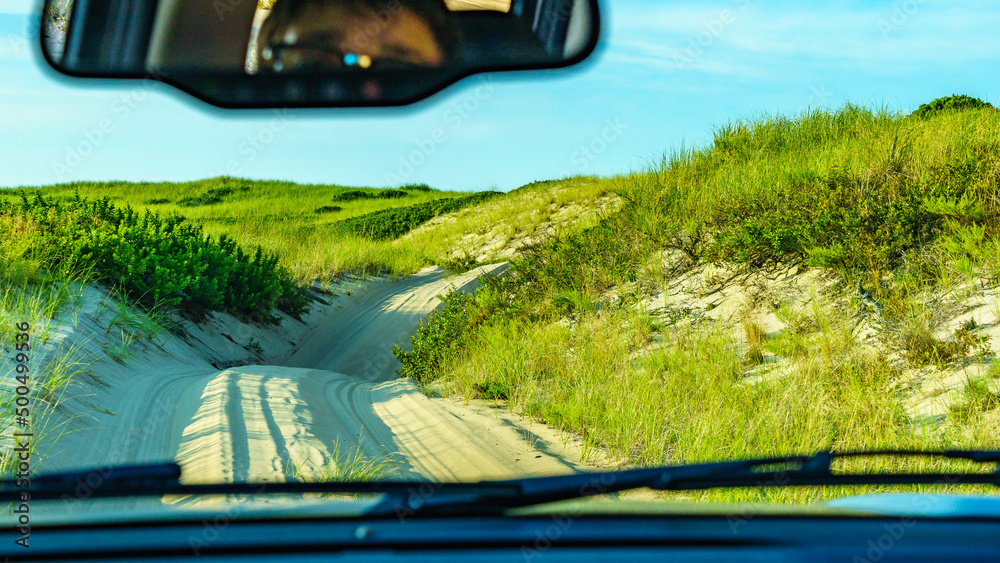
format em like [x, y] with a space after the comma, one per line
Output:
[494, 497]
[151, 480]
[785, 471]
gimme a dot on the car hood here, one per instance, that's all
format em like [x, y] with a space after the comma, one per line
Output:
[922, 505]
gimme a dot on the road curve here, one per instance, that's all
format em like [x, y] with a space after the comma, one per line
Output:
[338, 393]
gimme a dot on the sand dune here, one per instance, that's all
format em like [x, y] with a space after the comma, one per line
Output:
[340, 393]
[334, 391]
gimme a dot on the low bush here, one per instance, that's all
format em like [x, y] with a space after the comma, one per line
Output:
[950, 103]
[397, 221]
[837, 219]
[355, 195]
[416, 188]
[155, 260]
[211, 197]
[437, 339]
[976, 399]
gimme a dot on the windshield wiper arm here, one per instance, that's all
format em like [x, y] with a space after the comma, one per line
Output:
[785, 471]
[494, 497]
[150, 480]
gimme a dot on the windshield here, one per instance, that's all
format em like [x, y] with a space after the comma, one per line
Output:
[741, 230]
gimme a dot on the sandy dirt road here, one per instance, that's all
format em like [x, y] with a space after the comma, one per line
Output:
[337, 393]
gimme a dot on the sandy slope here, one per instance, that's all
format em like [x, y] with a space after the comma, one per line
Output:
[340, 393]
[358, 340]
[331, 387]
[255, 423]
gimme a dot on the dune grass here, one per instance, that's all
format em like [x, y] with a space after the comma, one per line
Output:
[29, 295]
[302, 224]
[313, 228]
[352, 465]
[905, 205]
[482, 233]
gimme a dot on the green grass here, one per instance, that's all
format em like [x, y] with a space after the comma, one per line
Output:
[906, 205]
[37, 302]
[301, 224]
[304, 225]
[478, 233]
[352, 465]
[393, 223]
[156, 260]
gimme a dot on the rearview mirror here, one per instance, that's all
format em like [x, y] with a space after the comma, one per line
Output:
[314, 53]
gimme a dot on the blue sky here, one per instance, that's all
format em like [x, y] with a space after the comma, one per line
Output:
[666, 73]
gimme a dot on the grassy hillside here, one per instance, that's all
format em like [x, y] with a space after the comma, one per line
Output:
[617, 332]
[323, 231]
[157, 249]
[497, 229]
[302, 224]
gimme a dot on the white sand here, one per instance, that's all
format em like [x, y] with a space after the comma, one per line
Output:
[332, 385]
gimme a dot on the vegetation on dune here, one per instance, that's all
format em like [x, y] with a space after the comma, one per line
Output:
[300, 224]
[211, 197]
[355, 195]
[906, 206]
[903, 205]
[502, 227]
[396, 222]
[416, 188]
[950, 103]
[155, 260]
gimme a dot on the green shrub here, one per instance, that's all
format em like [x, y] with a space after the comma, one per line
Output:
[355, 195]
[416, 188]
[493, 390]
[211, 197]
[950, 103]
[976, 399]
[329, 209]
[157, 260]
[397, 221]
[837, 219]
[437, 339]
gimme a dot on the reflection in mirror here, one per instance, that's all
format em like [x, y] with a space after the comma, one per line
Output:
[318, 36]
[321, 35]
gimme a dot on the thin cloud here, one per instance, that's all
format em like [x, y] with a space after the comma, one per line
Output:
[744, 39]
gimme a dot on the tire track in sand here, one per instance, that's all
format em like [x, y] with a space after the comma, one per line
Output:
[339, 391]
